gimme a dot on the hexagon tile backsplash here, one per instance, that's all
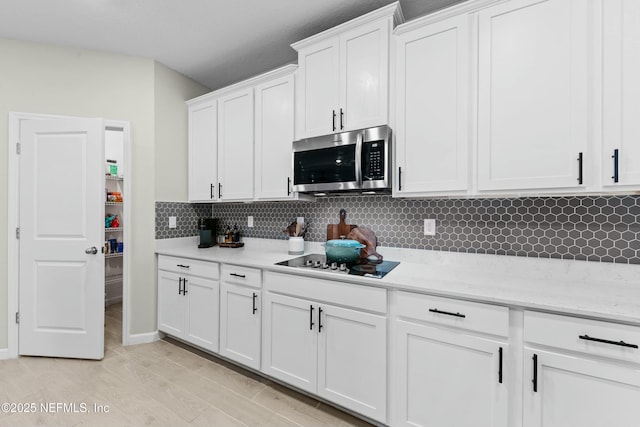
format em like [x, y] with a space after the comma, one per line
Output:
[603, 228]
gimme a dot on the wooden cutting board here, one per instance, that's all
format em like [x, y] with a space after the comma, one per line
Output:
[335, 231]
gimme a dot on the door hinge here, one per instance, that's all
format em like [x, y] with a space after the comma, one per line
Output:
[18, 317]
[17, 232]
[17, 148]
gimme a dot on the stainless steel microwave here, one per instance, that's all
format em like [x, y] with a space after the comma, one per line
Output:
[358, 161]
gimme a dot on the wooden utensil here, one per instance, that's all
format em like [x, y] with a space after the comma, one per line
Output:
[367, 238]
[336, 231]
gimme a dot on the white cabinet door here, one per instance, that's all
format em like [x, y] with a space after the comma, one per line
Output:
[274, 137]
[448, 378]
[579, 392]
[235, 145]
[533, 95]
[203, 302]
[621, 109]
[172, 305]
[352, 360]
[240, 324]
[290, 340]
[203, 157]
[364, 77]
[432, 101]
[317, 89]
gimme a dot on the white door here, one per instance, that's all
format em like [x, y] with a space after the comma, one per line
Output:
[317, 90]
[432, 108]
[274, 138]
[235, 145]
[203, 302]
[61, 223]
[203, 154]
[578, 392]
[240, 324]
[364, 77]
[621, 59]
[172, 304]
[533, 95]
[438, 370]
[352, 360]
[290, 340]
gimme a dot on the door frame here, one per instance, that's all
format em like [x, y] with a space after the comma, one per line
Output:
[13, 249]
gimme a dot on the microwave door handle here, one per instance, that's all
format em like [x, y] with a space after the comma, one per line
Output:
[359, 141]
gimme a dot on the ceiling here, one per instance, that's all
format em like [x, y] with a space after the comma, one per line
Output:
[215, 42]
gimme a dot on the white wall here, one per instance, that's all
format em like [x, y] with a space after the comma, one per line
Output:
[36, 78]
[171, 90]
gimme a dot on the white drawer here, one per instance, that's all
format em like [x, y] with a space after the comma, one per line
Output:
[473, 316]
[242, 275]
[594, 337]
[329, 291]
[194, 267]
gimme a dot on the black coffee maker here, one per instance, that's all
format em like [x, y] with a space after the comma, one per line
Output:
[208, 232]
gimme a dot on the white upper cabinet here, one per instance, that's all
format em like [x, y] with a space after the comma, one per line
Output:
[274, 137]
[318, 95]
[343, 75]
[533, 83]
[621, 109]
[203, 156]
[431, 106]
[235, 145]
[240, 140]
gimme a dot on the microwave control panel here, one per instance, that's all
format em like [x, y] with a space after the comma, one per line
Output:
[373, 161]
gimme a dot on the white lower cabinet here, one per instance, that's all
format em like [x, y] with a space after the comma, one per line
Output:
[337, 353]
[241, 316]
[188, 308]
[590, 378]
[446, 372]
[188, 304]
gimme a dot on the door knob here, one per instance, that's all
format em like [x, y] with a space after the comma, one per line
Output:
[92, 250]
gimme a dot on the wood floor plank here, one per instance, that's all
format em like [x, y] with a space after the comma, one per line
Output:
[164, 383]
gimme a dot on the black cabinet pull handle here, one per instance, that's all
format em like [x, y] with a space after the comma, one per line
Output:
[535, 373]
[580, 168]
[399, 178]
[616, 159]
[211, 191]
[184, 287]
[255, 308]
[341, 119]
[319, 319]
[311, 318]
[448, 313]
[242, 276]
[179, 285]
[620, 343]
[182, 266]
[288, 186]
[500, 365]
[333, 120]
[219, 190]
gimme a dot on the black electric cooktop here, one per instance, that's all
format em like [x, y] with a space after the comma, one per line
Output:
[362, 267]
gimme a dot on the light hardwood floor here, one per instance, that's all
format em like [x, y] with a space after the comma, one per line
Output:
[159, 384]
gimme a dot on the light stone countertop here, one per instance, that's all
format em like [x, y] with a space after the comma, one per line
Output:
[600, 290]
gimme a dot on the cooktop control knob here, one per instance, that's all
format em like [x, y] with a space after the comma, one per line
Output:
[343, 267]
[317, 263]
[308, 263]
[325, 266]
[334, 265]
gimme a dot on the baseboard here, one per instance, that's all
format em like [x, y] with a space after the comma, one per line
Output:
[4, 354]
[142, 338]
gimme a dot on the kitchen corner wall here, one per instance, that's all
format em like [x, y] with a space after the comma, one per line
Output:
[45, 79]
[603, 229]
